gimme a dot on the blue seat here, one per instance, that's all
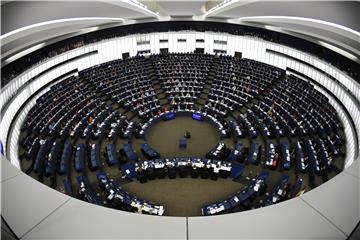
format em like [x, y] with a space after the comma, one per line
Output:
[297, 187]
[40, 157]
[65, 158]
[148, 151]
[236, 153]
[300, 160]
[85, 190]
[129, 152]
[67, 187]
[323, 154]
[236, 170]
[285, 153]
[112, 156]
[278, 192]
[128, 170]
[254, 153]
[313, 165]
[80, 157]
[53, 158]
[94, 157]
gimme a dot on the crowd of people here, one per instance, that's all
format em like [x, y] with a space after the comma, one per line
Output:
[12, 70]
[290, 116]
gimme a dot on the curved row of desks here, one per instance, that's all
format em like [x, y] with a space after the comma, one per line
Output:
[223, 168]
[182, 112]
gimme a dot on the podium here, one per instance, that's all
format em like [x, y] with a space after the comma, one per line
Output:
[183, 143]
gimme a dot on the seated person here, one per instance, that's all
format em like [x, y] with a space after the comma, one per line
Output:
[187, 134]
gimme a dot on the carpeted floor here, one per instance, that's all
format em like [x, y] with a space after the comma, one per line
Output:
[164, 137]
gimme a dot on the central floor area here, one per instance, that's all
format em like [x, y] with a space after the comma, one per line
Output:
[183, 196]
[164, 136]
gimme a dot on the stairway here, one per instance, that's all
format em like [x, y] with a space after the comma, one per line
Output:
[204, 95]
[159, 91]
[261, 96]
[234, 115]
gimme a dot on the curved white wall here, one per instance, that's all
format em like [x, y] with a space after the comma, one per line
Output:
[252, 48]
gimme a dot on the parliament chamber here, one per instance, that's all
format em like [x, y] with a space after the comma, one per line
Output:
[196, 123]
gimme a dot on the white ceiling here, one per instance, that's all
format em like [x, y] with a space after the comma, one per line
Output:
[345, 13]
[17, 14]
[182, 8]
[27, 15]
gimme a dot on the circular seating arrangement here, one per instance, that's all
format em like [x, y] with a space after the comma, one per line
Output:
[278, 135]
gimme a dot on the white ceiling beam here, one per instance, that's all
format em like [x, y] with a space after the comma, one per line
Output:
[156, 7]
[224, 6]
[343, 45]
[340, 29]
[134, 5]
[22, 32]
